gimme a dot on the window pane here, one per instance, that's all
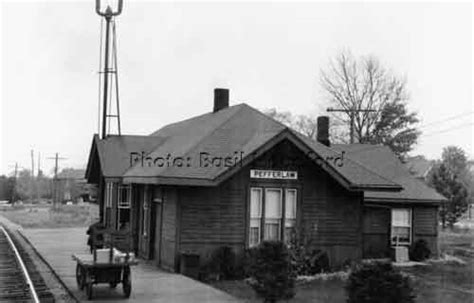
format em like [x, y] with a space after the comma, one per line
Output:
[272, 231]
[124, 194]
[290, 234]
[290, 204]
[254, 237]
[400, 235]
[400, 217]
[273, 203]
[255, 222]
[124, 218]
[255, 203]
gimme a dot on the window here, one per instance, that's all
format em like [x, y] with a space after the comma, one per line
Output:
[109, 188]
[268, 214]
[273, 211]
[255, 215]
[108, 196]
[123, 206]
[401, 226]
[290, 215]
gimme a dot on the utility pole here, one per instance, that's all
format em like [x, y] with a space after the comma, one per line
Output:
[37, 177]
[55, 180]
[32, 164]
[352, 113]
[33, 183]
[39, 164]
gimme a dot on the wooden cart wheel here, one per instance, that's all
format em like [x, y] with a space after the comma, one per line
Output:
[89, 291]
[80, 277]
[127, 282]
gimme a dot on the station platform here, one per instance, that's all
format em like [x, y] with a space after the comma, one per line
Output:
[149, 283]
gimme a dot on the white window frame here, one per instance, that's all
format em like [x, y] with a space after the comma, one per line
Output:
[410, 226]
[290, 222]
[272, 220]
[127, 203]
[121, 204]
[255, 218]
[262, 219]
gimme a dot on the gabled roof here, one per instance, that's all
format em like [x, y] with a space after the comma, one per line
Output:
[382, 160]
[113, 153]
[239, 128]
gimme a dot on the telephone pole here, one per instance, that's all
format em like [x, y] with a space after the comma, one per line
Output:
[15, 176]
[352, 113]
[33, 183]
[55, 179]
[39, 164]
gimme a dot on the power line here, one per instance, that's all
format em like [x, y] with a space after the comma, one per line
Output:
[449, 129]
[446, 119]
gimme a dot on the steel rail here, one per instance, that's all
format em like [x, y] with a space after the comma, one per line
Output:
[23, 267]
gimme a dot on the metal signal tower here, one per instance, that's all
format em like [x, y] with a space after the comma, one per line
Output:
[108, 75]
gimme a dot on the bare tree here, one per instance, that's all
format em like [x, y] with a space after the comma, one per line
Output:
[307, 125]
[362, 84]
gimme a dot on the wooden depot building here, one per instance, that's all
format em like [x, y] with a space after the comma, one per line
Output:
[235, 177]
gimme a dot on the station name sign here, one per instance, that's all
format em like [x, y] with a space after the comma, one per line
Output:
[273, 174]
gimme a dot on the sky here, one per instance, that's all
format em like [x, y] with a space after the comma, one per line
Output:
[171, 55]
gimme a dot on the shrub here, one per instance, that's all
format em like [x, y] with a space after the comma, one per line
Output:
[224, 262]
[378, 282]
[307, 260]
[419, 251]
[271, 271]
[249, 258]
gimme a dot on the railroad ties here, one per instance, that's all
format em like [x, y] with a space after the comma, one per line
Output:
[14, 285]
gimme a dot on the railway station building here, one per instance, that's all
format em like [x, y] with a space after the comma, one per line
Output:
[235, 177]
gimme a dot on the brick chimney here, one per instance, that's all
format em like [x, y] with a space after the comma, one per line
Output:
[323, 130]
[221, 99]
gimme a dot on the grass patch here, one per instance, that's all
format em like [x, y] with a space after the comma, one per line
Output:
[447, 279]
[40, 216]
[314, 291]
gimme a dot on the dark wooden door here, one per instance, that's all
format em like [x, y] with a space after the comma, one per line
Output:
[135, 217]
[145, 219]
[376, 232]
[157, 216]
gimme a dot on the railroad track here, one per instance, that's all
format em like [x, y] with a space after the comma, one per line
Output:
[19, 279]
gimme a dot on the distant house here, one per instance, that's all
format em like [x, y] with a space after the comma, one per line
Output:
[72, 186]
[236, 177]
[419, 166]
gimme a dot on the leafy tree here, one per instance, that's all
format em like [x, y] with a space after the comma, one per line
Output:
[455, 160]
[7, 188]
[447, 178]
[363, 83]
[24, 184]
